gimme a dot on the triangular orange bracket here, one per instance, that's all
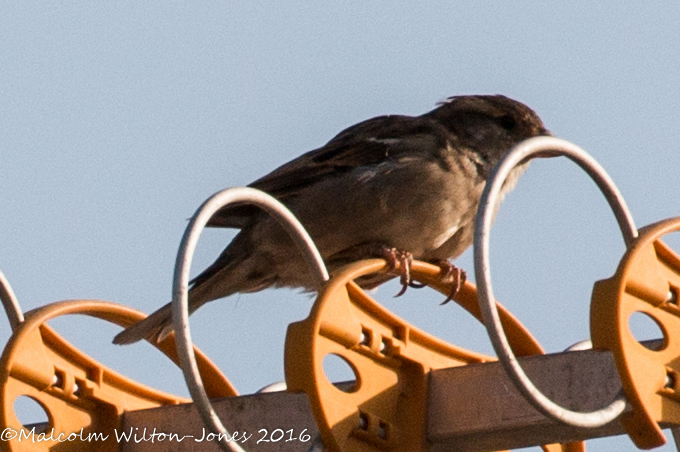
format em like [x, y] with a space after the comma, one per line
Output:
[76, 391]
[385, 407]
[647, 281]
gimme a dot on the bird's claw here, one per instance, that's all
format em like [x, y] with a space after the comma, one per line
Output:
[449, 273]
[400, 262]
[416, 285]
[453, 274]
[404, 259]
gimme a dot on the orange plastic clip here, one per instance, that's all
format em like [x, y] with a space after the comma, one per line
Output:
[75, 391]
[385, 407]
[647, 281]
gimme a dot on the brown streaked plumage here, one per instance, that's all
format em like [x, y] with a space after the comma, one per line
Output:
[402, 182]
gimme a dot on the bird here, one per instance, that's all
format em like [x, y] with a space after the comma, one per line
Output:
[394, 186]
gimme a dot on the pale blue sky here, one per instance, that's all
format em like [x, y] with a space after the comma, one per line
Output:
[117, 120]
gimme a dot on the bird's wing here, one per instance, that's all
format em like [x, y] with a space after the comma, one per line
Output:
[368, 143]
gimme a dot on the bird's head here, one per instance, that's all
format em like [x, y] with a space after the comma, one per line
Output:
[489, 125]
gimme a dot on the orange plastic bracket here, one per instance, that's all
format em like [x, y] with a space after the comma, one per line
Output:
[646, 281]
[385, 407]
[75, 391]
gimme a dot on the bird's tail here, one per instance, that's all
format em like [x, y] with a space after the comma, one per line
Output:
[158, 325]
[155, 328]
[226, 276]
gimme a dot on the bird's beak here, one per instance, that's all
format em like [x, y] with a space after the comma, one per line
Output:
[543, 154]
[547, 153]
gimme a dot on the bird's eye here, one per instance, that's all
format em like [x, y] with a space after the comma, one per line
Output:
[507, 122]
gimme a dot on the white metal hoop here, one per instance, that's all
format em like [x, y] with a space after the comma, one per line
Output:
[490, 198]
[10, 302]
[180, 285]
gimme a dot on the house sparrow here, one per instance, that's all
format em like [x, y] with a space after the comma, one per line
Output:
[392, 186]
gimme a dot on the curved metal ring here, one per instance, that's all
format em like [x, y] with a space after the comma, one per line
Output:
[10, 302]
[180, 284]
[488, 204]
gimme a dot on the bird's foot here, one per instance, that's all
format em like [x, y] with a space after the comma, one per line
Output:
[449, 273]
[453, 274]
[393, 257]
[398, 261]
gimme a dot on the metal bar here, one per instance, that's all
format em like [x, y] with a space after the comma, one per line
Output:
[477, 407]
[470, 408]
